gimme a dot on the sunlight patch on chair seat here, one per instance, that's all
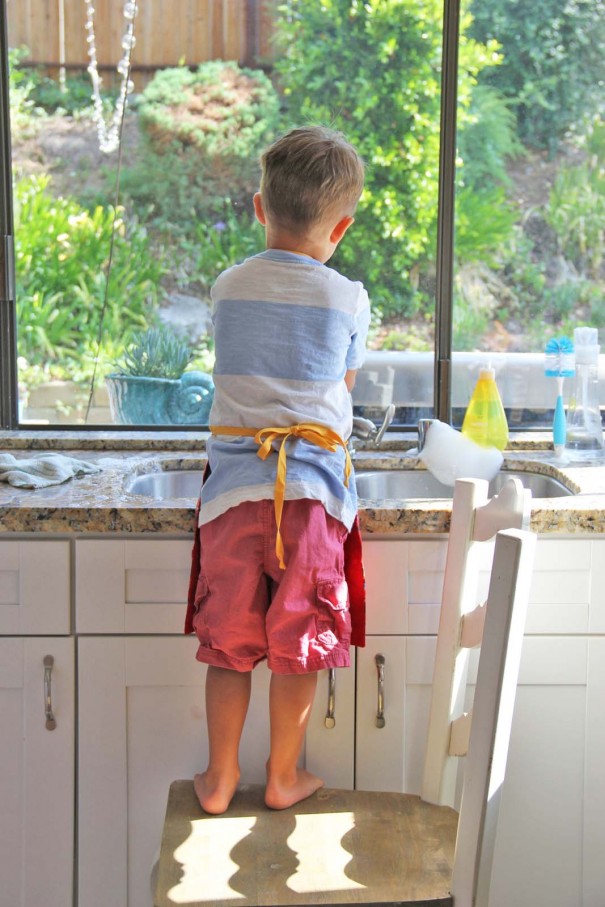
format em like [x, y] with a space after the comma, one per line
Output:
[206, 860]
[321, 864]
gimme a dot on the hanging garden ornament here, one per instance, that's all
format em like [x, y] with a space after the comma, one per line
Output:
[109, 134]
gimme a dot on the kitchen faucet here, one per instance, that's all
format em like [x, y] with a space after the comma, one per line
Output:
[366, 430]
[423, 427]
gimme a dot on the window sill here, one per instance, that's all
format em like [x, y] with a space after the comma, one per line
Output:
[74, 439]
[30, 439]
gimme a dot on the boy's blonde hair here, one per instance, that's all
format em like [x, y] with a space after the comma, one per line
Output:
[309, 173]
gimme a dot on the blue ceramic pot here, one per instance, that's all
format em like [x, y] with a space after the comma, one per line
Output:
[160, 401]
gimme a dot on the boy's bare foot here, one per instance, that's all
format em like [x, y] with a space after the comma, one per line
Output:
[281, 793]
[215, 792]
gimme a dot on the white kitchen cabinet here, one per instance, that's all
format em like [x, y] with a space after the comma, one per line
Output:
[389, 753]
[131, 585]
[551, 830]
[37, 777]
[142, 717]
[142, 720]
[34, 588]
[543, 830]
[142, 725]
[330, 744]
[404, 582]
[139, 586]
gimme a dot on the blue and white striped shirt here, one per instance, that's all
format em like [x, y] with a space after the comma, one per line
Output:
[286, 329]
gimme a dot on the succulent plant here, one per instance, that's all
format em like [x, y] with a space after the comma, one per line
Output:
[155, 353]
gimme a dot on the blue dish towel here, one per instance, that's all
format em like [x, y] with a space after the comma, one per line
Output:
[42, 471]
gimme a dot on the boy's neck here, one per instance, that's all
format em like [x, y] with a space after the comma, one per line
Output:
[300, 245]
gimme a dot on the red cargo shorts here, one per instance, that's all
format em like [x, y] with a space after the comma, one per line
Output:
[248, 609]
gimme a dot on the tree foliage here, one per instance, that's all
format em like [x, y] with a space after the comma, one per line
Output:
[372, 69]
[204, 131]
[553, 65]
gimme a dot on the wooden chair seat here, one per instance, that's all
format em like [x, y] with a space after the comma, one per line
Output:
[336, 847]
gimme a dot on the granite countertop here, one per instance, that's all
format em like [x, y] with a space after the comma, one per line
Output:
[101, 503]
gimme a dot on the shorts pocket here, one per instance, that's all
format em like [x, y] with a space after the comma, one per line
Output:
[200, 621]
[333, 618]
[201, 592]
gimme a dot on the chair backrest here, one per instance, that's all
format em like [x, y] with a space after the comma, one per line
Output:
[492, 716]
[475, 521]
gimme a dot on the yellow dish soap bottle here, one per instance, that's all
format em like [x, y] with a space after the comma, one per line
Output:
[485, 421]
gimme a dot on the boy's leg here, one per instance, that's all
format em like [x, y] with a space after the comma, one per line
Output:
[227, 699]
[290, 701]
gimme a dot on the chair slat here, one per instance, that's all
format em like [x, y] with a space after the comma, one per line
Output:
[475, 520]
[460, 732]
[471, 631]
[493, 714]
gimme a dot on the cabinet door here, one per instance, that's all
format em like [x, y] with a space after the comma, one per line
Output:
[550, 826]
[330, 742]
[37, 777]
[593, 883]
[404, 583]
[131, 586]
[34, 588]
[142, 725]
[389, 753]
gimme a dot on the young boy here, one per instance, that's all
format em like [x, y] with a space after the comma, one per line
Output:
[289, 336]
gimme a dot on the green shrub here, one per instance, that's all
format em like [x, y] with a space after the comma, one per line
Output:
[487, 139]
[204, 132]
[61, 253]
[372, 70]
[484, 223]
[215, 246]
[469, 324]
[71, 99]
[553, 67]
[576, 207]
[22, 82]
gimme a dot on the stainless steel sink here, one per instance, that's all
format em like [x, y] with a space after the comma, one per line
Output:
[170, 483]
[372, 485]
[418, 483]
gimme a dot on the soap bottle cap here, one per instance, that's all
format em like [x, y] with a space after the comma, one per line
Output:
[487, 374]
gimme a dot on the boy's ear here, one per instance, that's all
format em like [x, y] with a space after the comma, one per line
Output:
[340, 229]
[259, 210]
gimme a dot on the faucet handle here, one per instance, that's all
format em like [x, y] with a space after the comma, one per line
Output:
[363, 428]
[388, 418]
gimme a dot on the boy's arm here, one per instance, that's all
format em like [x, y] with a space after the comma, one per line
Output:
[350, 376]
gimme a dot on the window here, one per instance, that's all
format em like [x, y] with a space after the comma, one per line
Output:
[116, 250]
[530, 196]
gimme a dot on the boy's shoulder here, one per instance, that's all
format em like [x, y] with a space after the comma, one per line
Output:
[267, 268]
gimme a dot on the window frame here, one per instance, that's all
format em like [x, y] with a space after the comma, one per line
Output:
[9, 415]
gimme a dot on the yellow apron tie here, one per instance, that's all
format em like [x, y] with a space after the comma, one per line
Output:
[320, 435]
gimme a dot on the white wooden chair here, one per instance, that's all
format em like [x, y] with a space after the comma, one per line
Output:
[341, 847]
[475, 521]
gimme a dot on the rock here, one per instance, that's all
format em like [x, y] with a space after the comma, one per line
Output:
[187, 315]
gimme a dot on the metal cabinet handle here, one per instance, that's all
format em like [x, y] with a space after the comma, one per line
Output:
[330, 719]
[48, 701]
[380, 664]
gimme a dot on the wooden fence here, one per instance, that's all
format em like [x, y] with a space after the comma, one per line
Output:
[168, 32]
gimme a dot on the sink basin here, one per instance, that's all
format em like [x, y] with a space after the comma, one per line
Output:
[418, 483]
[170, 483]
[375, 485]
